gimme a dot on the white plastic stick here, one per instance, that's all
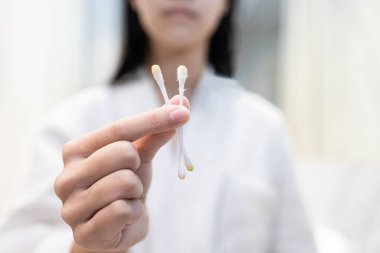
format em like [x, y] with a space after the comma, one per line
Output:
[156, 71]
[184, 157]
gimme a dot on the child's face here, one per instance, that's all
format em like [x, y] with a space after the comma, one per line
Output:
[180, 24]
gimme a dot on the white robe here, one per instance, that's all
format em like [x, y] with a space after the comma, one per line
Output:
[240, 198]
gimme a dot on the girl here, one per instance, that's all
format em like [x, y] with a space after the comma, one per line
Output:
[241, 196]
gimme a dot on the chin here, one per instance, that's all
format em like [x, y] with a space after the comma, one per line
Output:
[179, 42]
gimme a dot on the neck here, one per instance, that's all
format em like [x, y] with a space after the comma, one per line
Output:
[194, 59]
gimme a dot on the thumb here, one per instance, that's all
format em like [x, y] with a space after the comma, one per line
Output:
[148, 146]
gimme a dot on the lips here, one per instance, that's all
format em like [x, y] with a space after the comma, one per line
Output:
[180, 12]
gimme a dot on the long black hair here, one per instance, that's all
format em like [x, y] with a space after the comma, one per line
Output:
[221, 50]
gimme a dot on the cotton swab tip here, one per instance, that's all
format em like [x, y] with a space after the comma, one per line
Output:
[181, 74]
[181, 167]
[190, 168]
[182, 70]
[156, 70]
[181, 175]
[188, 163]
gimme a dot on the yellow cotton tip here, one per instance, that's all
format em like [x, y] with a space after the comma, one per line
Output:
[190, 168]
[156, 70]
[182, 173]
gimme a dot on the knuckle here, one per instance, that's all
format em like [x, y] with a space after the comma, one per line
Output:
[68, 149]
[129, 154]
[127, 145]
[125, 177]
[63, 185]
[67, 214]
[120, 208]
[59, 187]
[131, 183]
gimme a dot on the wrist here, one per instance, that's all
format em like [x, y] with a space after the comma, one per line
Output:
[76, 249]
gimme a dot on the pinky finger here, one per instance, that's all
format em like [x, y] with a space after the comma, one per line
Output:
[106, 229]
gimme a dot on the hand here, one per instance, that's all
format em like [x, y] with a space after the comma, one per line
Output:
[106, 179]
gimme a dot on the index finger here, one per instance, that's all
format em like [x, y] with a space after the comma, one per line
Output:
[130, 129]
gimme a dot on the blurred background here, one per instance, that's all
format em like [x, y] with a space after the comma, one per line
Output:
[318, 60]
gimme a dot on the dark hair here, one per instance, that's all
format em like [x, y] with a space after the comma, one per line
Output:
[221, 50]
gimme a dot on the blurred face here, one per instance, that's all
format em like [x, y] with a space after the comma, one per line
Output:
[180, 24]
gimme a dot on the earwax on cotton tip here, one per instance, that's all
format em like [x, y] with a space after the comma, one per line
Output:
[188, 163]
[157, 74]
[156, 71]
[181, 170]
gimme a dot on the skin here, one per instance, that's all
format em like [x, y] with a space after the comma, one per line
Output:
[107, 173]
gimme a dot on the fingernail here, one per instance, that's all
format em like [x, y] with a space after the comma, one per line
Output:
[178, 116]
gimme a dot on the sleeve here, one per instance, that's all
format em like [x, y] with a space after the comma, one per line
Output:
[33, 223]
[291, 231]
